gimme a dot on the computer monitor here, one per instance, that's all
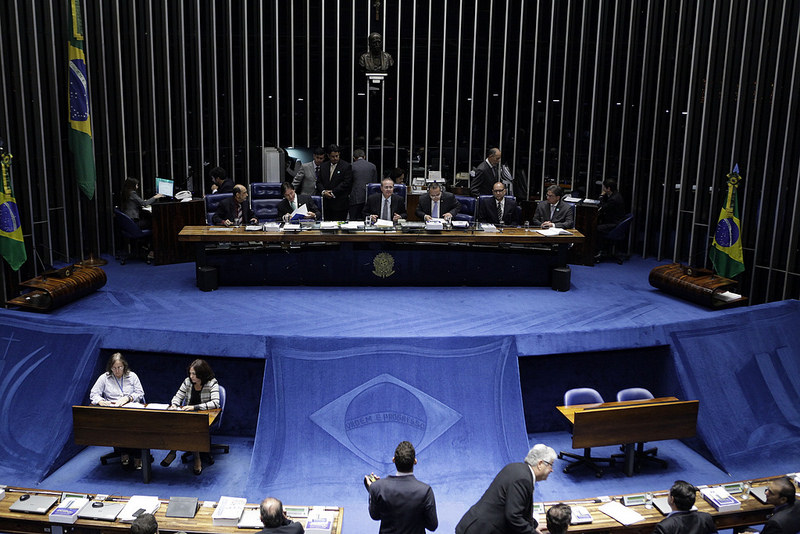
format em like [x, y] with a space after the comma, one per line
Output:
[165, 186]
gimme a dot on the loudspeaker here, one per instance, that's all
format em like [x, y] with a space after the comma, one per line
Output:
[207, 279]
[560, 278]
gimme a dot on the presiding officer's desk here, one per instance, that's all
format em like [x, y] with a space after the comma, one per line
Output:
[139, 428]
[629, 422]
[512, 256]
[201, 523]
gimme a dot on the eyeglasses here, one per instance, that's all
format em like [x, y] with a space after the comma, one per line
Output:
[548, 463]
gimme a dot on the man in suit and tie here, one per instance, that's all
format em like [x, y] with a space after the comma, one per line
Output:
[682, 520]
[507, 505]
[437, 204]
[486, 173]
[554, 211]
[364, 173]
[334, 184]
[275, 519]
[385, 205]
[235, 210]
[291, 201]
[498, 210]
[305, 181]
[402, 504]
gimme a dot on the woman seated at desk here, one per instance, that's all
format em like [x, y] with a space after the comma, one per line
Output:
[117, 387]
[131, 203]
[200, 391]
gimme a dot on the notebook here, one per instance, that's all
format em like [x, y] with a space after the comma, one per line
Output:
[181, 507]
[33, 504]
[107, 511]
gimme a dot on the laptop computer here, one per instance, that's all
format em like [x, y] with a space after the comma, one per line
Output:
[107, 511]
[33, 504]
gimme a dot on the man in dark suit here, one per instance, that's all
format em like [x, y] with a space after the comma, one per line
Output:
[275, 519]
[291, 201]
[498, 210]
[235, 211]
[553, 211]
[486, 173]
[364, 173]
[402, 504]
[437, 204]
[682, 520]
[220, 181]
[612, 208]
[507, 505]
[334, 184]
[305, 181]
[386, 204]
[785, 518]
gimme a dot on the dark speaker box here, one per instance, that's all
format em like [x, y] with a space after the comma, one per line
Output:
[207, 278]
[561, 277]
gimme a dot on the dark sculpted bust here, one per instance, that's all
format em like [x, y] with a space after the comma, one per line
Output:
[375, 59]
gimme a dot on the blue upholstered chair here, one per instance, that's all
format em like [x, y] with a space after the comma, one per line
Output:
[265, 209]
[212, 203]
[215, 447]
[584, 396]
[399, 189]
[132, 235]
[468, 208]
[617, 236]
[640, 454]
[318, 201]
[260, 190]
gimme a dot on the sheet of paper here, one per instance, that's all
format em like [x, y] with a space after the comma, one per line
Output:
[299, 213]
[621, 513]
[552, 231]
[383, 223]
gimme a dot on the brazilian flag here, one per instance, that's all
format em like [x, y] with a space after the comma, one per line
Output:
[726, 250]
[12, 245]
[80, 126]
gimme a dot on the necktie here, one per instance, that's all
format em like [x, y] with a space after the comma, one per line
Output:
[294, 205]
[552, 211]
[386, 214]
[499, 211]
[333, 168]
[496, 177]
[238, 219]
[317, 172]
[435, 210]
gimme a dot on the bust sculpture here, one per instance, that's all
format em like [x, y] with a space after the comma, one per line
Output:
[375, 59]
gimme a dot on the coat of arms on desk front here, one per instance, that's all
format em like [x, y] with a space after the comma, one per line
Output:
[384, 265]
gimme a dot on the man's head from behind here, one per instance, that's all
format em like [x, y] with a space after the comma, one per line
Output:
[682, 496]
[405, 457]
[272, 512]
[558, 518]
[144, 524]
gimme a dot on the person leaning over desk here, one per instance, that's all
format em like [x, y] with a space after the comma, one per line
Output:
[199, 391]
[118, 386]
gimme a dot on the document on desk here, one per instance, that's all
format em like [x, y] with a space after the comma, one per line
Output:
[621, 513]
[553, 231]
[138, 505]
[383, 223]
[299, 213]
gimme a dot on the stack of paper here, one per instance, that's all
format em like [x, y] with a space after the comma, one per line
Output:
[251, 518]
[138, 505]
[580, 515]
[435, 224]
[229, 511]
[68, 510]
[553, 231]
[383, 223]
[720, 499]
[329, 225]
[621, 513]
[488, 227]
[319, 521]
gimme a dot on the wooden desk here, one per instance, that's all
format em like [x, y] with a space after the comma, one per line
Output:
[202, 523]
[144, 429]
[627, 423]
[168, 219]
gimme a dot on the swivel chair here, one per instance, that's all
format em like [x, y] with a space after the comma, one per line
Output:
[215, 447]
[212, 203]
[469, 207]
[640, 454]
[132, 235]
[584, 396]
[617, 236]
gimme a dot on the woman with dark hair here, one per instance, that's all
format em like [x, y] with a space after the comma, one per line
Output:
[199, 391]
[118, 386]
[131, 203]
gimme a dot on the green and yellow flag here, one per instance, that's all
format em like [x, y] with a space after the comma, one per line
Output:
[80, 126]
[12, 245]
[726, 250]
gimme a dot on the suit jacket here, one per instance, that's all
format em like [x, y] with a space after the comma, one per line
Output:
[686, 523]
[785, 520]
[612, 209]
[288, 527]
[487, 211]
[374, 205]
[364, 173]
[226, 187]
[227, 211]
[341, 183]
[484, 179]
[403, 504]
[305, 181]
[506, 506]
[447, 204]
[562, 218]
[284, 207]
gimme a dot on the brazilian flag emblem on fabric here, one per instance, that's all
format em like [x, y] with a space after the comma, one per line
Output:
[12, 245]
[726, 250]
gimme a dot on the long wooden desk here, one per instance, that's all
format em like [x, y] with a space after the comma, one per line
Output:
[629, 422]
[137, 428]
[513, 256]
[202, 523]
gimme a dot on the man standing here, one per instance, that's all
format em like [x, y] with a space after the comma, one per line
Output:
[305, 181]
[220, 181]
[437, 204]
[682, 520]
[334, 184]
[497, 210]
[402, 504]
[486, 173]
[275, 519]
[385, 205]
[235, 211]
[291, 201]
[364, 173]
[507, 505]
[554, 211]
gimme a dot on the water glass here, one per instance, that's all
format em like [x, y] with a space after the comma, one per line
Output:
[648, 500]
[746, 490]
